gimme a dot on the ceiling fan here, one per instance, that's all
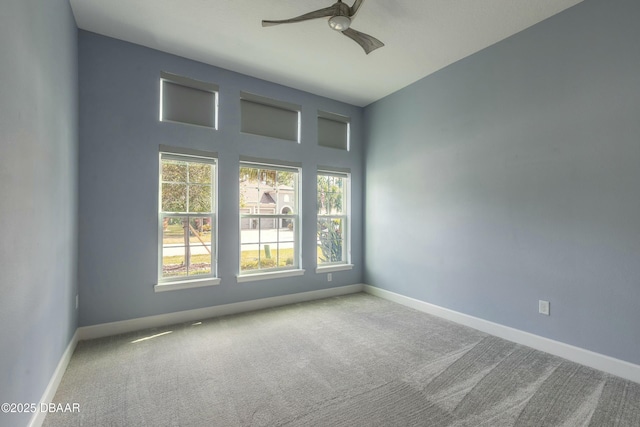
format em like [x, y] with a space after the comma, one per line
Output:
[340, 19]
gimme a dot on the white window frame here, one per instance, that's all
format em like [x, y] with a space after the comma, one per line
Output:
[199, 280]
[345, 217]
[295, 218]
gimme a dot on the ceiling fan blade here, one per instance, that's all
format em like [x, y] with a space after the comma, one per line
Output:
[356, 5]
[368, 43]
[327, 11]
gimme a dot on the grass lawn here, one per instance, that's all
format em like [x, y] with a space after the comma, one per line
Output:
[247, 256]
[174, 233]
[178, 259]
[248, 259]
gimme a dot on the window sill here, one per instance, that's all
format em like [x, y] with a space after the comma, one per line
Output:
[270, 275]
[332, 268]
[186, 284]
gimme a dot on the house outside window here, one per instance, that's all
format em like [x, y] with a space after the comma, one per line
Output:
[269, 218]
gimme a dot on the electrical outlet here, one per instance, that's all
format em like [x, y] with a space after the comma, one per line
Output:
[544, 307]
[77, 301]
[329, 277]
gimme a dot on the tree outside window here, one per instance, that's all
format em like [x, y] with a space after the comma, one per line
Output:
[332, 218]
[187, 217]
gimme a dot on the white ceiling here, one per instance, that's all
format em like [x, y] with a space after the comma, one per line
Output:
[421, 37]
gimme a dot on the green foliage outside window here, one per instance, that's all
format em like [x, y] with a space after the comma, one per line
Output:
[186, 186]
[186, 189]
[330, 238]
[330, 207]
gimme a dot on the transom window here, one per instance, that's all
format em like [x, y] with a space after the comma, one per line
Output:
[269, 218]
[333, 218]
[188, 101]
[187, 220]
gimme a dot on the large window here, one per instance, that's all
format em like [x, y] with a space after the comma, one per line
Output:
[269, 218]
[187, 220]
[333, 218]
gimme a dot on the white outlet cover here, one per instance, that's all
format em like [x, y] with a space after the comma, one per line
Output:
[544, 307]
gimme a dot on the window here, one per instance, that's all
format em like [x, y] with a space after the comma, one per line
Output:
[269, 117]
[333, 130]
[269, 218]
[333, 219]
[187, 219]
[184, 100]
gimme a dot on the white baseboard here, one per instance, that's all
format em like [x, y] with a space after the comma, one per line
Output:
[38, 417]
[585, 357]
[114, 328]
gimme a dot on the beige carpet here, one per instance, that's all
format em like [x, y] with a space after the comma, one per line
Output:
[349, 361]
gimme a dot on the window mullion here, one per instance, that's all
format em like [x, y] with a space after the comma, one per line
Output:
[278, 241]
[188, 188]
[259, 243]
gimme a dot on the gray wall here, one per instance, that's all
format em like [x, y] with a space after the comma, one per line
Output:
[38, 165]
[512, 176]
[118, 186]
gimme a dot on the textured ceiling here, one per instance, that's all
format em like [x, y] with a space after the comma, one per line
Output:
[421, 37]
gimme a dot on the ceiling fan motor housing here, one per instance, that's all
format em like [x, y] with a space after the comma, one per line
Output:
[339, 22]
